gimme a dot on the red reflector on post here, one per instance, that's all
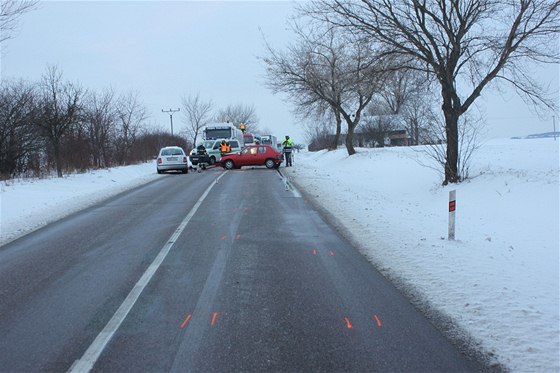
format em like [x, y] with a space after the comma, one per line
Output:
[451, 206]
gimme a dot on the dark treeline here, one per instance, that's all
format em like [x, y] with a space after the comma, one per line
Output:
[58, 126]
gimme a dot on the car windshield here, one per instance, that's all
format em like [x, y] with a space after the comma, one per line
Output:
[208, 144]
[218, 133]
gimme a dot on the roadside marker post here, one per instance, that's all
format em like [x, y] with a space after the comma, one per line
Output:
[452, 206]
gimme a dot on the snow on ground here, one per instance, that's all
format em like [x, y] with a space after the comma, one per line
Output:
[26, 205]
[498, 280]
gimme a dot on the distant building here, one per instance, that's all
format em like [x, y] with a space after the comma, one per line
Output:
[373, 131]
[382, 130]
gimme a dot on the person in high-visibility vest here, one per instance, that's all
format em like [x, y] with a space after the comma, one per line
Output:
[224, 147]
[288, 144]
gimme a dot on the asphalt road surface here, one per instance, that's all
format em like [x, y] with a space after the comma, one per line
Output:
[206, 272]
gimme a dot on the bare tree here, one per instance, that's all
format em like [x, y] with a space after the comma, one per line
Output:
[417, 115]
[291, 73]
[99, 120]
[197, 114]
[464, 44]
[58, 111]
[400, 88]
[324, 68]
[406, 94]
[319, 134]
[10, 11]
[376, 129]
[239, 113]
[18, 139]
[434, 139]
[131, 114]
[151, 140]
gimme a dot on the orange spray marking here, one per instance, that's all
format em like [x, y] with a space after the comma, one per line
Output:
[223, 237]
[331, 253]
[186, 321]
[214, 316]
[237, 236]
[377, 320]
[314, 252]
[348, 325]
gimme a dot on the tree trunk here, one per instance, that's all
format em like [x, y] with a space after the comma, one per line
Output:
[57, 159]
[452, 154]
[350, 139]
[451, 110]
[334, 144]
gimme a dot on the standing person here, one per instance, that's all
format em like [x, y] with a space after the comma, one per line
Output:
[223, 147]
[288, 145]
[203, 159]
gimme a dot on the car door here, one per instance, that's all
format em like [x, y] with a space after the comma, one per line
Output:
[242, 158]
[215, 151]
[248, 156]
[234, 146]
[261, 155]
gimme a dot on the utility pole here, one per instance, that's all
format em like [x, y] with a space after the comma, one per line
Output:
[171, 111]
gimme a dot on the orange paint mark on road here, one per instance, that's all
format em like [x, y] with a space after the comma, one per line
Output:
[314, 252]
[331, 253]
[348, 325]
[223, 237]
[377, 320]
[238, 236]
[214, 316]
[186, 321]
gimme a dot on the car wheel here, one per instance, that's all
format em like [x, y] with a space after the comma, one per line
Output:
[186, 171]
[269, 163]
[159, 171]
[228, 164]
[212, 160]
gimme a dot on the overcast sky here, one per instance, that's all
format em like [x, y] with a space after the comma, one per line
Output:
[167, 50]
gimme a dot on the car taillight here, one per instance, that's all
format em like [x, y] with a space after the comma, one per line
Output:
[159, 161]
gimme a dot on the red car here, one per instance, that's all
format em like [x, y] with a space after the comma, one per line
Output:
[253, 155]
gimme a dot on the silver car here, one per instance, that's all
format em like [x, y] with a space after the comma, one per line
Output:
[172, 158]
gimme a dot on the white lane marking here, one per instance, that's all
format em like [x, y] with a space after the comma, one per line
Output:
[90, 357]
[288, 186]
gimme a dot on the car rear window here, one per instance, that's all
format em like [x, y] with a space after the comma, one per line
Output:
[166, 152]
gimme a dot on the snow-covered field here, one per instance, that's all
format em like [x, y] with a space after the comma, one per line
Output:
[499, 280]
